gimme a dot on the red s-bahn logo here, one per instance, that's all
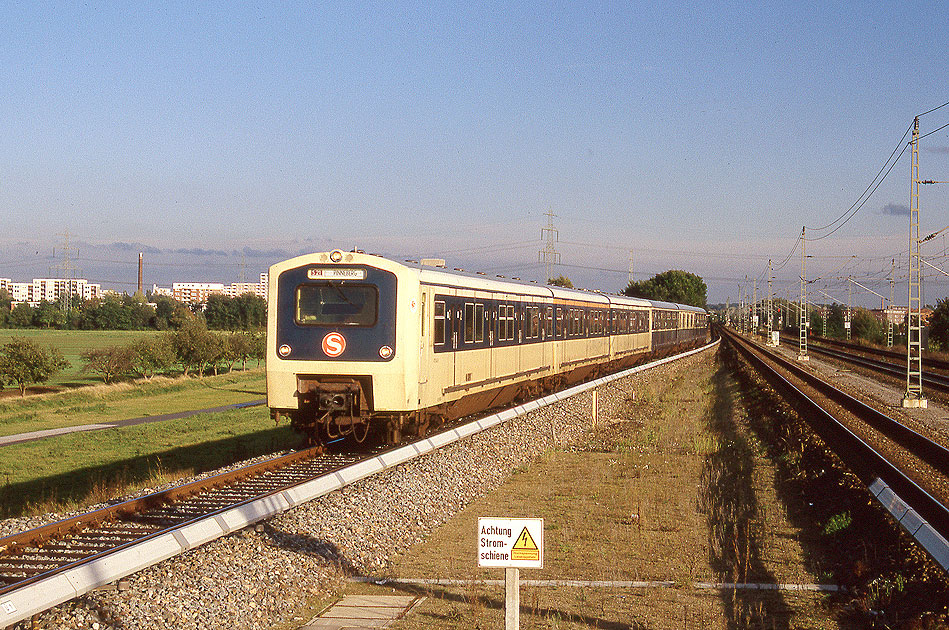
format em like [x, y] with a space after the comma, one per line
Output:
[334, 344]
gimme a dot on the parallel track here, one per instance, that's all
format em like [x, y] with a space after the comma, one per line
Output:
[890, 363]
[863, 460]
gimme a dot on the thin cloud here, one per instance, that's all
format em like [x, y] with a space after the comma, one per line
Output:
[264, 253]
[940, 150]
[199, 252]
[895, 210]
[135, 247]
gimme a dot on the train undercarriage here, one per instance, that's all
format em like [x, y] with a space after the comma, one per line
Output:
[332, 407]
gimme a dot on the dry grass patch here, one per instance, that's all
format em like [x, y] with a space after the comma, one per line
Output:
[677, 491]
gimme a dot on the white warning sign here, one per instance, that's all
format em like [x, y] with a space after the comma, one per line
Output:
[511, 542]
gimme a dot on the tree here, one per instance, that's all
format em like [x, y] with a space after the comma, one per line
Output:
[153, 355]
[251, 311]
[111, 362]
[195, 346]
[863, 325]
[23, 362]
[560, 281]
[220, 313]
[671, 286]
[835, 322]
[939, 325]
[106, 313]
[259, 348]
[21, 316]
[239, 348]
[47, 315]
[170, 314]
[6, 303]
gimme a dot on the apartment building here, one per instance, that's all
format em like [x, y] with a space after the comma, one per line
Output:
[190, 292]
[49, 289]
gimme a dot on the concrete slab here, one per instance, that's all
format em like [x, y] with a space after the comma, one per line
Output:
[357, 612]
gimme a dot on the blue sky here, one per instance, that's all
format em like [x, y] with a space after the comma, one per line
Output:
[698, 137]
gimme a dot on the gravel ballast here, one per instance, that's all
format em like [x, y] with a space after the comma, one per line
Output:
[264, 576]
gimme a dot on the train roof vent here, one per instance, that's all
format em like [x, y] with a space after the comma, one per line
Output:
[433, 262]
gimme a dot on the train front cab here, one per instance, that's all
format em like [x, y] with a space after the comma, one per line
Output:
[338, 347]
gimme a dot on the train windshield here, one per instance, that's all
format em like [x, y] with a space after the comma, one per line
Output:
[334, 304]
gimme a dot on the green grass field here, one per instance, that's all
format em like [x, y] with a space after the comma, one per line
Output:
[72, 343]
[65, 472]
[109, 403]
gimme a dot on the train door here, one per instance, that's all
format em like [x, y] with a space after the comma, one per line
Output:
[424, 345]
[442, 367]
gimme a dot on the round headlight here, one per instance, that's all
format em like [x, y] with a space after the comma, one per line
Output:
[336, 255]
[385, 352]
[283, 350]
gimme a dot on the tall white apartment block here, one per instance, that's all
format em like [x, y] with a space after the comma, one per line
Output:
[50, 289]
[195, 291]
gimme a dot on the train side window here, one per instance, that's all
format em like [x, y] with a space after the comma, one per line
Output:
[510, 322]
[439, 336]
[479, 323]
[533, 322]
[469, 323]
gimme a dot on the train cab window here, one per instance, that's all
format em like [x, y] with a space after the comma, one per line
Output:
[337, 305]
[439, 329]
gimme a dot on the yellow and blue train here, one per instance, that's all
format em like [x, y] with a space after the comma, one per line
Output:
[358, 342]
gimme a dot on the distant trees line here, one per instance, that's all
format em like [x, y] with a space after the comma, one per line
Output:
[134, 312]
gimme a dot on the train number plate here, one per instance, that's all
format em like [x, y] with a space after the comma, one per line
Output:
[335, 273]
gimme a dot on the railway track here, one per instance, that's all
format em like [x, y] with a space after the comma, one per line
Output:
[908, 472]
[882, 361]
[52, 564]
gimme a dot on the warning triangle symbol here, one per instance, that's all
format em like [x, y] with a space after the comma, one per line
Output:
[525, 548]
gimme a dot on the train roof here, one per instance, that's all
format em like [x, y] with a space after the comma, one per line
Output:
[434, 272]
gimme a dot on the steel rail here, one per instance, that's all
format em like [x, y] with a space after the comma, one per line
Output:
[935, 381]
[938, 364]
[862, 459]
[43, 591]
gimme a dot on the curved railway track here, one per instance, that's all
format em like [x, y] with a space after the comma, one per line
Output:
[54, 563]
[879, 450]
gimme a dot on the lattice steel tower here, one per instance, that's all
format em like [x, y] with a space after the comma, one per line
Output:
[914, 343]
[549, 256]
[802, 319]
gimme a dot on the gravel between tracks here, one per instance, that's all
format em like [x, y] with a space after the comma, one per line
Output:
[264, 576]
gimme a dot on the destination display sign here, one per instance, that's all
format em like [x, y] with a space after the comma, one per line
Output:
[511, 542]
[335, 273]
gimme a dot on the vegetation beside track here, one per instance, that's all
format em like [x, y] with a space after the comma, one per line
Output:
[110, 403]
[80, 469]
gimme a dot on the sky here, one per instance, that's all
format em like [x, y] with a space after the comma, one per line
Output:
[218, 138]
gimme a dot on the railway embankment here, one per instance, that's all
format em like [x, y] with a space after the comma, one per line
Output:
[685, 490]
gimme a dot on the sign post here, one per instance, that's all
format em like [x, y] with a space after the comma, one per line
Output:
[511, 543]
